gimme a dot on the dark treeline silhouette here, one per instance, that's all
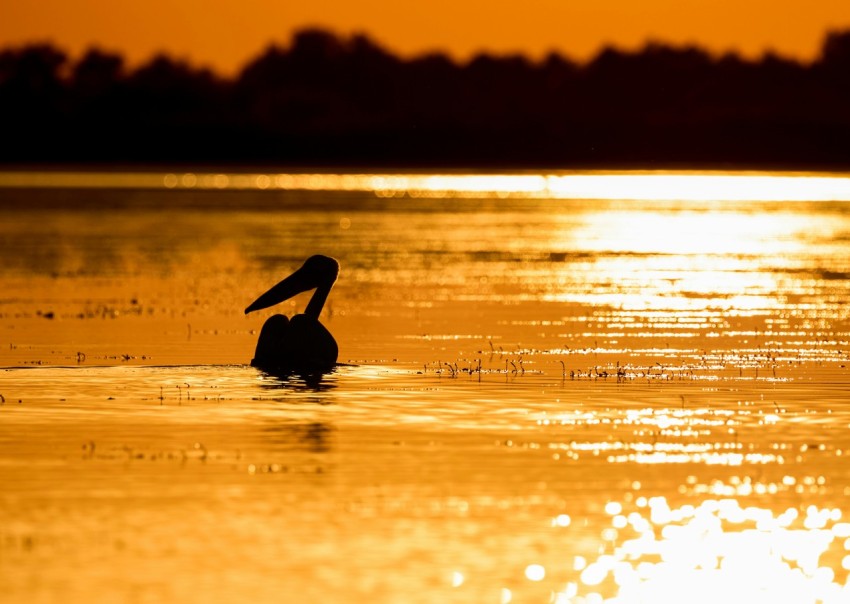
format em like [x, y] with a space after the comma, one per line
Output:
[328, 100]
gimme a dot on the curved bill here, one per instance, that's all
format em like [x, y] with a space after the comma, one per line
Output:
[294, 284]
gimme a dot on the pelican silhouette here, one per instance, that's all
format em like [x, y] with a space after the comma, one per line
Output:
[300, 344]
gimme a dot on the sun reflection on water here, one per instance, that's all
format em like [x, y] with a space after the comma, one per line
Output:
[697, 186]
[717, 550]
[647, 186]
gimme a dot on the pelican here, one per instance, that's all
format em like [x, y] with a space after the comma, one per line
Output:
[300, 344]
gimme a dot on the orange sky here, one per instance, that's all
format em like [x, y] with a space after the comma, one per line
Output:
[225, 33]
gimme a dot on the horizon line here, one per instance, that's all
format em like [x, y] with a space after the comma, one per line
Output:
[632, 185]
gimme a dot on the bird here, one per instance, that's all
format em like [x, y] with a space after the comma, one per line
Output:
[300, 344]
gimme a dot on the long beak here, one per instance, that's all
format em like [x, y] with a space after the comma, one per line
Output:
[318, 272]
[294, 284]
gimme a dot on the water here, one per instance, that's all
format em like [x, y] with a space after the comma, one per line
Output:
[543, 398]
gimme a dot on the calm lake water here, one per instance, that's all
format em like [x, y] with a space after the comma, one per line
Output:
[571, 388]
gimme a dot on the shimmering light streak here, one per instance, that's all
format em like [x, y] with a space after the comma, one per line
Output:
[698, 186]
[686, 435]
[659, 418]
[712, 459]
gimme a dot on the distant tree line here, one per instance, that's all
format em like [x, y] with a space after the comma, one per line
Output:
[330, 100]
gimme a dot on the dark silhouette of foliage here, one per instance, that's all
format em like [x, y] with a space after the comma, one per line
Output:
[345, 101]
[33, 99]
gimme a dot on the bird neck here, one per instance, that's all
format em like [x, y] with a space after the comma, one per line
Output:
[317, 302]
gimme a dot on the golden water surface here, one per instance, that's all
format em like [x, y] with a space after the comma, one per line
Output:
[556, 388]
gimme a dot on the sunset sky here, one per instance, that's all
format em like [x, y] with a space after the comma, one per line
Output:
[225, 34]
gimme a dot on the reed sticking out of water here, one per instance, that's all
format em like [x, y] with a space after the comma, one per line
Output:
[180, 393]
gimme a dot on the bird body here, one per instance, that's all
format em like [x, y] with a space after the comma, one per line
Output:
[300, 344]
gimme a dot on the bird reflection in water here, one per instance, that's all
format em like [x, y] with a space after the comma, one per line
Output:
[301, 344]
[290, 382]
[313, 437]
